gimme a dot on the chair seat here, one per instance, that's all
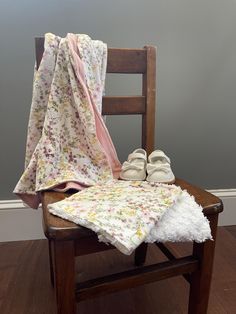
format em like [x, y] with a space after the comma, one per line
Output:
[61, 229]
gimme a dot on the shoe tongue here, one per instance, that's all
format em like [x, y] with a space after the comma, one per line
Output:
[140, 150]
[158, 157]
[136, 156]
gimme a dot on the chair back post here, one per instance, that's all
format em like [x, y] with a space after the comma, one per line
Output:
[149, 91]
[39, 49]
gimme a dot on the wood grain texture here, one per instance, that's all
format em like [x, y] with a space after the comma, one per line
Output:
[135, 277]
[64, 276]
[51, 261]
[126, 60]
[232, 230]
[140, 254]
[91, 245]
[123, 105]
[25, 285]
[149, 91]
[200, 280]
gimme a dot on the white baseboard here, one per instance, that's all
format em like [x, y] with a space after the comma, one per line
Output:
[228, 196]
[18, 222]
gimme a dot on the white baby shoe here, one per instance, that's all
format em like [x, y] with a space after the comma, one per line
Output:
[134, 168]
[158, 168]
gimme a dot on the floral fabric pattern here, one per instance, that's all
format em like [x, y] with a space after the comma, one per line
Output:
[121, 212]
[67, 138]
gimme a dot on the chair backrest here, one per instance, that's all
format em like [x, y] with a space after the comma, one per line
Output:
[130, 61]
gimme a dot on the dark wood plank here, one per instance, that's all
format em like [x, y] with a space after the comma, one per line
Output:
[135, 277]
[121, 60]
[232, 230]
[223, 287]
[200, 280]
[140, 254]
[64, 264]
[25, 285]
[91, 245]
[27, 290]
[51, 261]
[149, 91]
[120, 105]
[168, 253]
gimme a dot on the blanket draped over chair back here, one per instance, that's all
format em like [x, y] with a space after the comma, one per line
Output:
[68, 145]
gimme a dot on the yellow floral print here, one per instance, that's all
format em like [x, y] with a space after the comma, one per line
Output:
[121, 212]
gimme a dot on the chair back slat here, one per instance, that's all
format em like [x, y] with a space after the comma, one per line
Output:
[126, 60]
[39, 49]
[133, 61]
[122, 105]
[118, 60]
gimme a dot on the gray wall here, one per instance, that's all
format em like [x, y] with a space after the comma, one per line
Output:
[196, 71]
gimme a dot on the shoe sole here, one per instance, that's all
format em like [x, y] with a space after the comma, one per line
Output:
[164, 182]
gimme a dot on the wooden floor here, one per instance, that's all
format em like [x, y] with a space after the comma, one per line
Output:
[25, 287]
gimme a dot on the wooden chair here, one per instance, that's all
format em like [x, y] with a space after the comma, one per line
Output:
[68, 240]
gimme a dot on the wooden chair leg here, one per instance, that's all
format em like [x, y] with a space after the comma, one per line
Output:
[140, 254]
[64, 263]
[51, 262]
[200, 280]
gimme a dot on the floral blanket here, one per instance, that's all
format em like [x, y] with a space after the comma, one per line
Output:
[68, 145]
[127, 213]
[121, 212]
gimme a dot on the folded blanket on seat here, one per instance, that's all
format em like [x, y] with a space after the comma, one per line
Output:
[126, 213]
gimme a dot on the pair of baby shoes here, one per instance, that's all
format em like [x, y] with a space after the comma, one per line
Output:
[155, 168]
